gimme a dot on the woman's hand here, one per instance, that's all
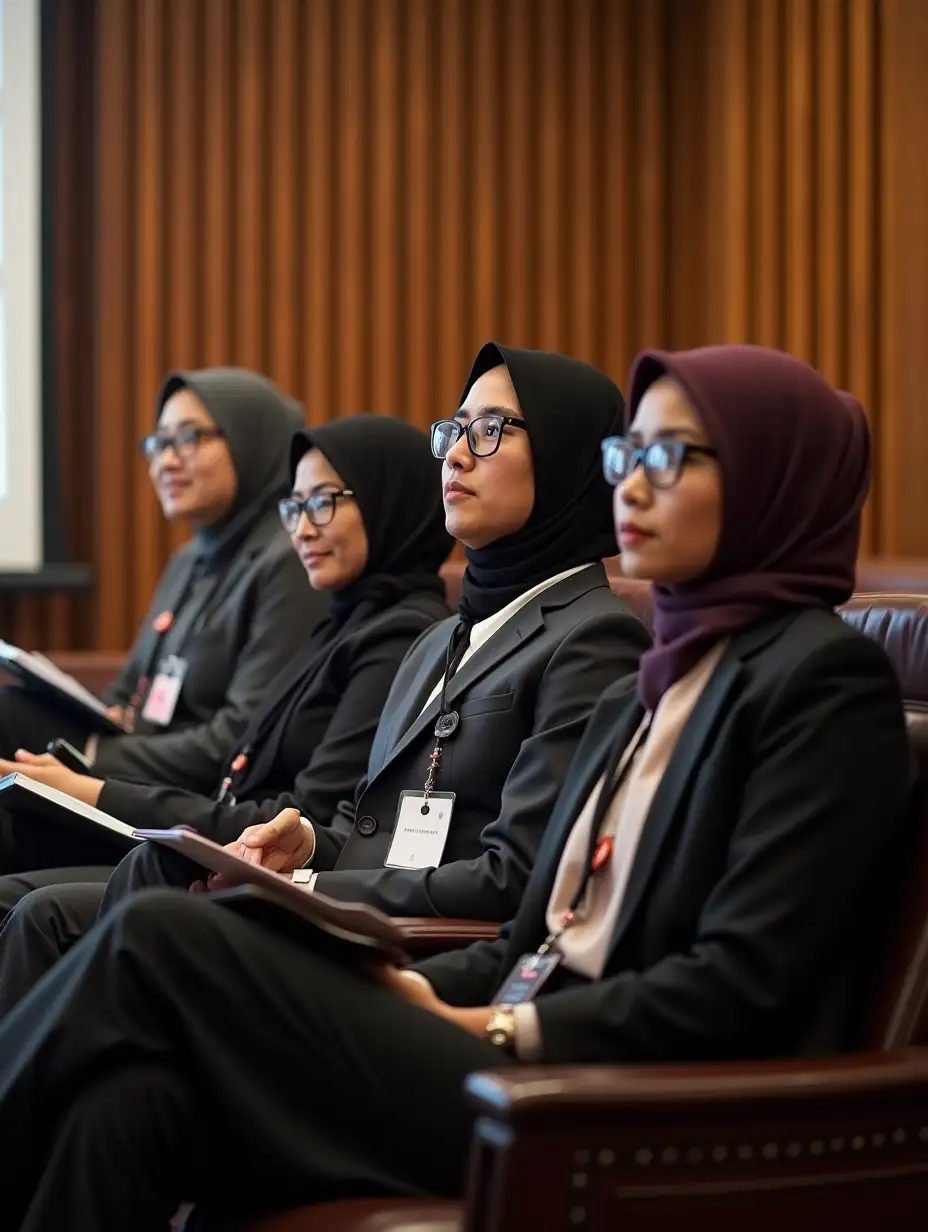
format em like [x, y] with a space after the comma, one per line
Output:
[44, 768]
[281, 845]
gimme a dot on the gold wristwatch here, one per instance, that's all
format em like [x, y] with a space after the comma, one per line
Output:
[501, 1029]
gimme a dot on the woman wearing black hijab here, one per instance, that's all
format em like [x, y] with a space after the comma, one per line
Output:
[230, 609]
[365, 517]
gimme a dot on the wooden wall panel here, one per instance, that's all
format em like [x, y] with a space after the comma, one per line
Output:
[353, 194]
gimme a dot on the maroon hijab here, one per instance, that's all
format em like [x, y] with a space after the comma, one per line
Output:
[794, 458]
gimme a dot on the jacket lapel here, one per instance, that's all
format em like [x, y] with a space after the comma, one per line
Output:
[422, 679]
[697, 735]
[612, 725]
[514, 634]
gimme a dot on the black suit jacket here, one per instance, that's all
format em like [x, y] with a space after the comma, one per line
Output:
[760, 870]
[236, 628]
[317, 748]
[523, 698]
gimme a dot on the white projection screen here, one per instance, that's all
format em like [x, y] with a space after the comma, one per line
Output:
[21, 471]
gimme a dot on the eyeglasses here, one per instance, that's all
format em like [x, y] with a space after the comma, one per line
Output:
[483, 434]
[184, 442]
[319, 508]
[663, 461]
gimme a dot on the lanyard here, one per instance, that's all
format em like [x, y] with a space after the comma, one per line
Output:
[447, 722]
[238, 765]
[600, 846]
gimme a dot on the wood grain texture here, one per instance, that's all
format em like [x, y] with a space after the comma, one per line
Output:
[353, 194]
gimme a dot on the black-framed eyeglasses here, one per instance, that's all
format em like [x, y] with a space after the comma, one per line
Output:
[319, 508]
[663, 461]
[185, 442]
[483, 434]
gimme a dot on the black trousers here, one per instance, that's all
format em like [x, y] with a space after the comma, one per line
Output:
[40, 929]
[181, 1052]
[46, 913]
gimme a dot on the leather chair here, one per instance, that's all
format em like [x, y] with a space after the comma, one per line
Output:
[840, 1142]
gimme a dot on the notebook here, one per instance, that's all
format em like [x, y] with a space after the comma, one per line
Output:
[350, 930]
[41, 675]
[21, 795]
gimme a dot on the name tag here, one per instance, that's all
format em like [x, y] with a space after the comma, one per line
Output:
[161, 701]
[525, 980]
[421, 830]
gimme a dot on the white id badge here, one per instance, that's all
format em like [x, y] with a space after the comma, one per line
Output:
[161, 701]
[421, 830]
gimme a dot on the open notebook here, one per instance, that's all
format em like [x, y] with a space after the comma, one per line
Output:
[42, 675]
[22, 796]
[352, 931]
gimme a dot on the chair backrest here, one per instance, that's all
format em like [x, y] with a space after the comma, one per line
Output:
[895, 1011]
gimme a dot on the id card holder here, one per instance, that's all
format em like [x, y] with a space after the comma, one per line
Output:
[161, 701]
[421, 830]
[525, 980]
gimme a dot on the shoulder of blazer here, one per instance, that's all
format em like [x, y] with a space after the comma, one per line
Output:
[788, 641]
[415, 615]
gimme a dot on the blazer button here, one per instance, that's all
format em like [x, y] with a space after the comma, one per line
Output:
[366, 826]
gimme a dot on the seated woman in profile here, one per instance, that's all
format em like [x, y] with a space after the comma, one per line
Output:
[229, 611]
[708, 865]
[366, 520]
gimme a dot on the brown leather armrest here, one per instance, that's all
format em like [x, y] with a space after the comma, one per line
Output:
[533, 1096]
[425, 935]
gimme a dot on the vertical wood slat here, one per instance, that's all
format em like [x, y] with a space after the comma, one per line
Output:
[649, 180]
[520, 177]
[767, 140]
[386, 394]
[800, 186]
[250, 148]
[318, 270]
[148, 286]
[618, 292]
[113, 238]
[862, 222]
[553, 175]
[419, 213]
[218, 265]
[351, 372]
[283, 216]
[831, 196]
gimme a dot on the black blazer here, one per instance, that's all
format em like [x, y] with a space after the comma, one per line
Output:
[760, 868]
[316, 750]
[523, 699]
[237, 628]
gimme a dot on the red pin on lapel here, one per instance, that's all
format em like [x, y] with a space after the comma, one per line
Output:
[163, 622]
[240, 762]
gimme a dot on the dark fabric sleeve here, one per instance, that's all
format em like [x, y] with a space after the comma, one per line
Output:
[334, 768]
[192, 758]
[489, 887]
[828, 790]
[470, 976]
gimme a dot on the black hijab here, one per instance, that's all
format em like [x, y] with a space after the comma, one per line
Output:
[569, 407]
[258, 423]
[389, 466]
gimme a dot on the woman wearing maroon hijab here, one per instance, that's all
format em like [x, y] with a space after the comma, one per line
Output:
[707, 870]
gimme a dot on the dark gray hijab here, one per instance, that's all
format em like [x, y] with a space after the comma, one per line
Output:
[258, 423]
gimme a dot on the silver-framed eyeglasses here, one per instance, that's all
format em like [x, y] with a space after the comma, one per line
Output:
[483, 434]
[319, 508]
[663, 461]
